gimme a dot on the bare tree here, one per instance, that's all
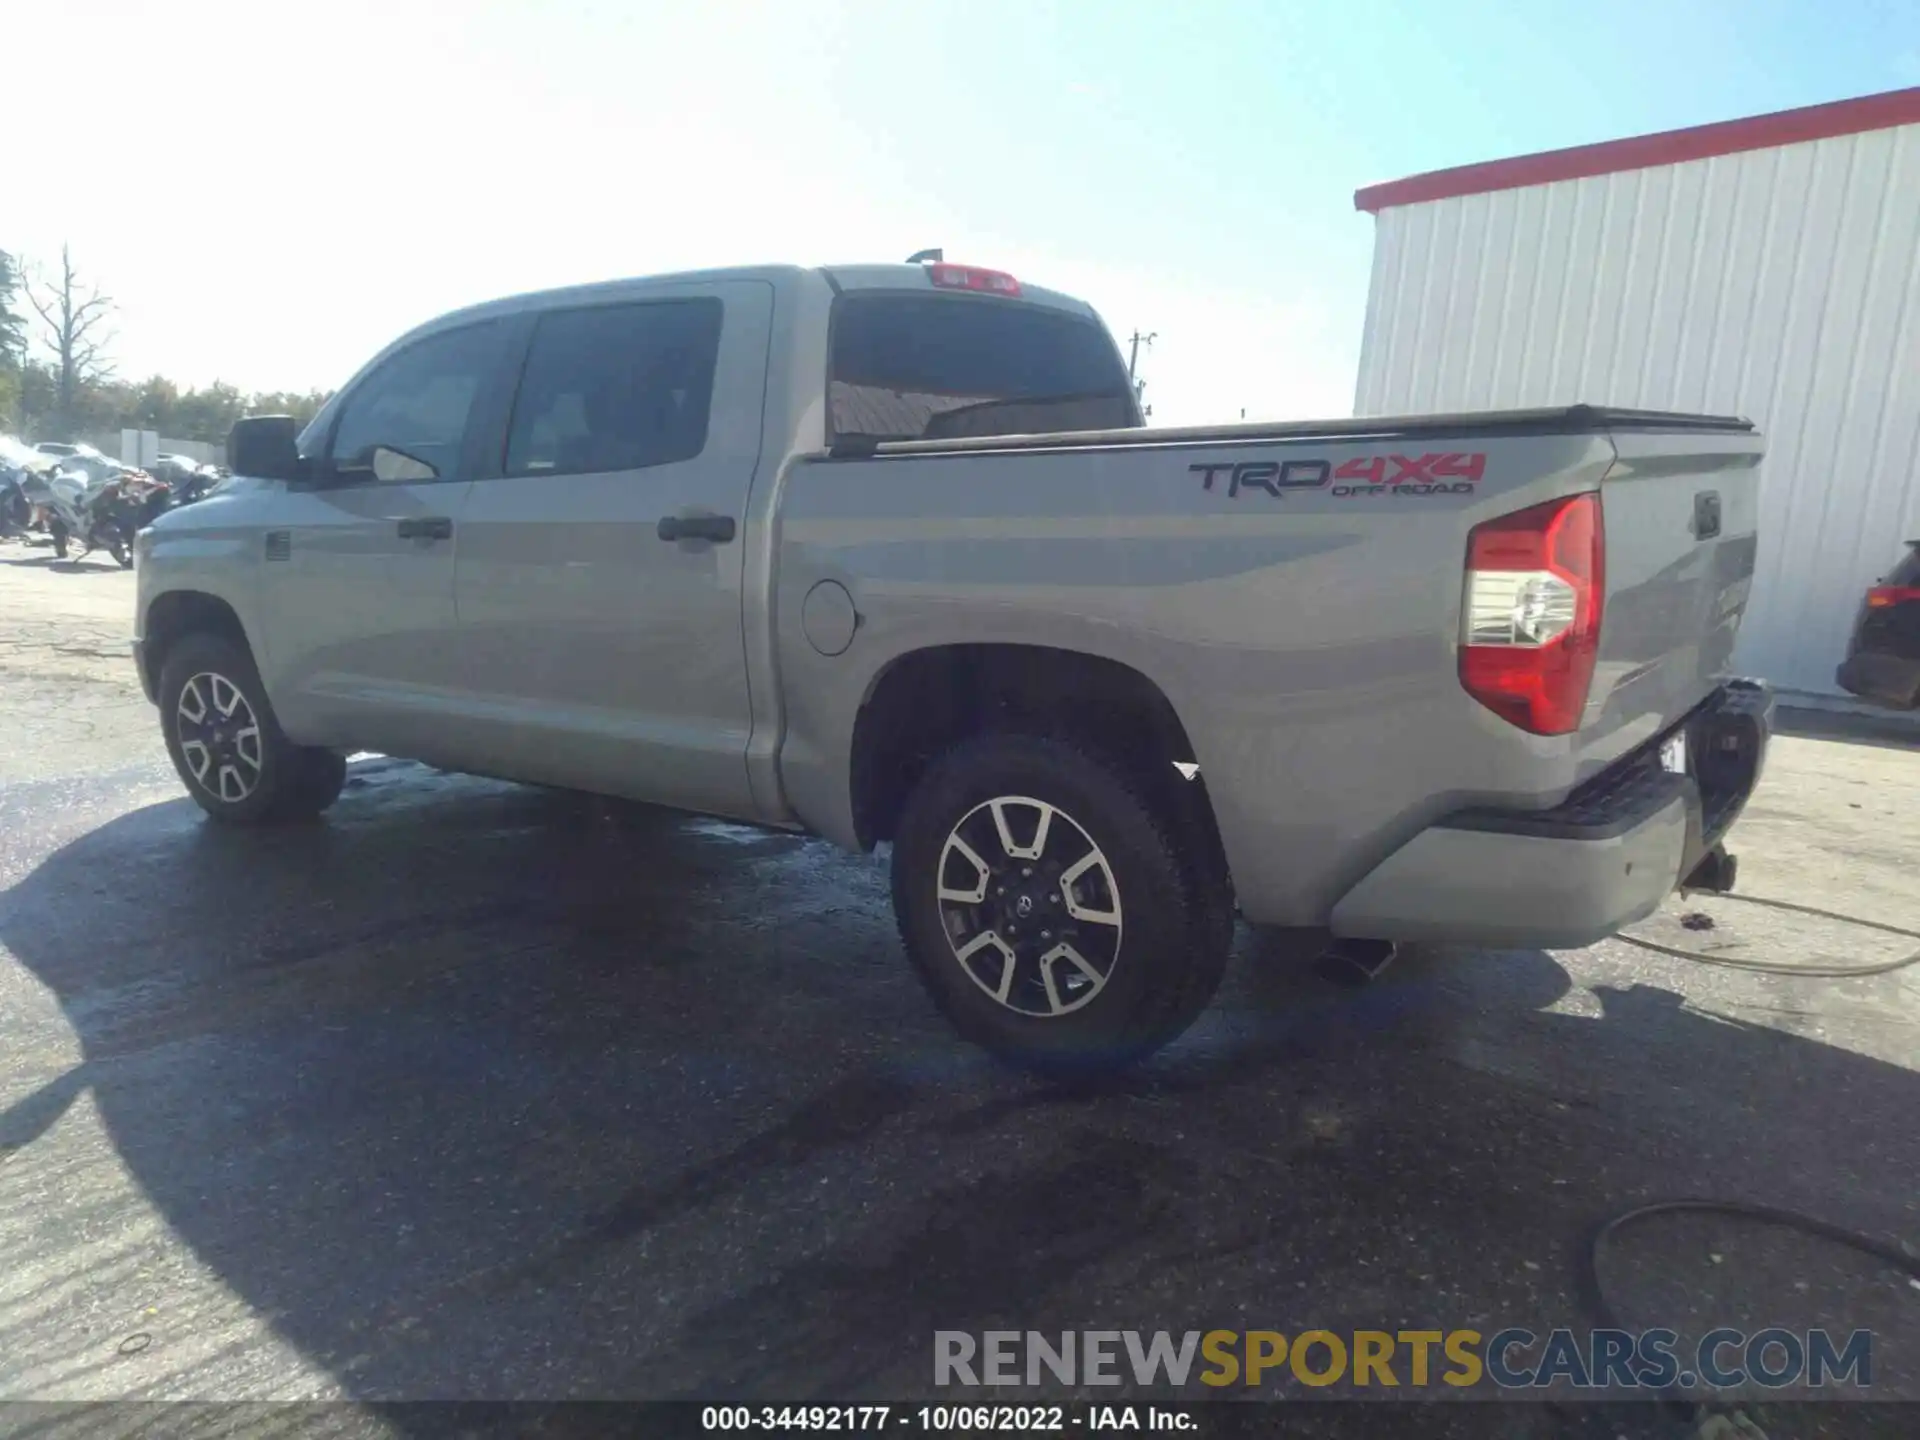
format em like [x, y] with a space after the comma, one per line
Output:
[73, 314]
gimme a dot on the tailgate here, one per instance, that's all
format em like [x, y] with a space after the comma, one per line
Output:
[1681, 513]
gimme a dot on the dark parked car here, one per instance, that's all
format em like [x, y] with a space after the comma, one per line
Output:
[1883, 662]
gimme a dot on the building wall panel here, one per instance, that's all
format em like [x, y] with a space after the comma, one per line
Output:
[1782, 284]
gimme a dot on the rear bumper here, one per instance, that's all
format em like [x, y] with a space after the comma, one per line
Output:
[1892, 680]
[1566, 877]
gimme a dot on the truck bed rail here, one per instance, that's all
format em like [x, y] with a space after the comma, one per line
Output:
[1564, 420]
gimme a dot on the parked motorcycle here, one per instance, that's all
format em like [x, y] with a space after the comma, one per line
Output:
[102, 513]
[20, 464]
[196, 485]
[141, 499]
[16, 511]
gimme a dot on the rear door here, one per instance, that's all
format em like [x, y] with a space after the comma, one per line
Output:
[358, 581]
[599, 578]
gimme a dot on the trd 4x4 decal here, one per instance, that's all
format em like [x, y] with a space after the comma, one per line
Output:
[1435, 473]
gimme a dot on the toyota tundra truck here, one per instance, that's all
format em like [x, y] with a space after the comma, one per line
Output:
[884, 553]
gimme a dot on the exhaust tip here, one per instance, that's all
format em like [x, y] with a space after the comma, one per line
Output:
[1354, 963]
[1715, 873]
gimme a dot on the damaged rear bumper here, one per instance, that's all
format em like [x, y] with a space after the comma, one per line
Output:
[1605, 857]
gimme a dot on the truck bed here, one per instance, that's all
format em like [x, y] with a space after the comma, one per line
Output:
[1304, 627]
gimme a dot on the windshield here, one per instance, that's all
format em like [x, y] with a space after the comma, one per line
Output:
[926, 367]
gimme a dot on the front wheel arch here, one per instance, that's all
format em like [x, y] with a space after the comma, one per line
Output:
[176, 614]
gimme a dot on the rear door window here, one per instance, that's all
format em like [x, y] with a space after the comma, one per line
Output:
[616, 387]
[1907, 572]
[934, 367]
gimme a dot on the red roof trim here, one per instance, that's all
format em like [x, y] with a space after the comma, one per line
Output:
[1671, 147]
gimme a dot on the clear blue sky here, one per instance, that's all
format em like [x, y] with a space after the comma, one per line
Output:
[272, 191]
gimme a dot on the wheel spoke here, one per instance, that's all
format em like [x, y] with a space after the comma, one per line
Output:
[228, 701]
[1054, 1007]
[191, 691]
[991, 939]
[246, 744]
[1070, 876]
[1048, 963]
[982, 873]
[1015, 850]
[232, 787]
[198, 757]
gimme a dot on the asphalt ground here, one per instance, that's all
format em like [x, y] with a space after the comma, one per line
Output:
[479, 1092]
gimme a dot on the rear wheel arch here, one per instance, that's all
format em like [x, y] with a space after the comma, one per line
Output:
[925, 702]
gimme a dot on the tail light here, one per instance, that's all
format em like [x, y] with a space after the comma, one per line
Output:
[1530, 622]
[972, 277]
[1881, 597]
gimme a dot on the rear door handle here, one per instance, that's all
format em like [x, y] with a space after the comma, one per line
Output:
[717, 528]
[427, 527]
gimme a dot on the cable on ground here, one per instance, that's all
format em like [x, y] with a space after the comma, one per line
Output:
[1771, 967]
[1713, 1424]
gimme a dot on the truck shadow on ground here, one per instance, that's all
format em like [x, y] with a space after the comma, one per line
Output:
[477, 1091]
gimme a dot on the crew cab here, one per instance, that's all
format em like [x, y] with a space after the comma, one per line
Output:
[884, 553]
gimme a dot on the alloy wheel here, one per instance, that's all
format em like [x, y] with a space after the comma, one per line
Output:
[219, 737]
[1030, 905]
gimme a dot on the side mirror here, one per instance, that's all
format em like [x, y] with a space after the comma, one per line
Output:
[263, 446]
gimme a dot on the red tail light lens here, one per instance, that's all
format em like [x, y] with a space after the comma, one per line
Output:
[1881, 597]
[1530, 620]
[972, 277]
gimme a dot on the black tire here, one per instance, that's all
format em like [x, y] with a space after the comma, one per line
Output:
[1168, 947]
[277, 780]
[122, 556]
[58, 530]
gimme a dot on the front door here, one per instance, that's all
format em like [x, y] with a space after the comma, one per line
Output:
[359, 581]
[599, 574]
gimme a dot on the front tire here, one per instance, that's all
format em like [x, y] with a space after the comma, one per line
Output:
[1043, 902]
[227, 746]
[58, 530]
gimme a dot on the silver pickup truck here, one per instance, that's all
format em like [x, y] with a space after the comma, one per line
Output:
[884, 553]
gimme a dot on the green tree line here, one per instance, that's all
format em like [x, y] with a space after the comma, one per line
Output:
[155, 403]
[73, 392]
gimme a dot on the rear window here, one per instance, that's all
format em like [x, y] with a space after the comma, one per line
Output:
[1907, 572]
[944, 368]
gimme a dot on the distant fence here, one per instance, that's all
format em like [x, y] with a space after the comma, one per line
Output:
[114, 443]
[200, 450]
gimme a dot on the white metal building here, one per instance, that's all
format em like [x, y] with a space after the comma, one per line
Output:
[1767, 267]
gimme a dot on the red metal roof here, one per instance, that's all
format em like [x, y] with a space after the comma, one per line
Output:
[1670, 147]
